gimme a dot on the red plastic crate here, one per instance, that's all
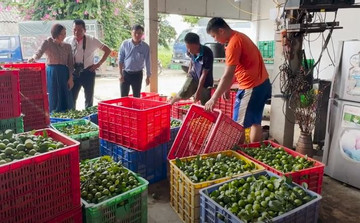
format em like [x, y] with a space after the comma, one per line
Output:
[32, 77]
[227, 133]
[194, 132]
[205, 132]
[226, 106]
[9, 94]
[135, 123]
[148, 95]
[36, 111]
[38, 188]
[177, 111]
[312, 176]
[74, 216]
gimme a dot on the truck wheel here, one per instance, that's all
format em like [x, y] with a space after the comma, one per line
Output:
[185, 68]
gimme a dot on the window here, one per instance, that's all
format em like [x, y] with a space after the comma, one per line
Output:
[4, 44]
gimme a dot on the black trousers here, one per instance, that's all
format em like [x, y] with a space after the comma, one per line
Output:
[86, 79]
[133, 79]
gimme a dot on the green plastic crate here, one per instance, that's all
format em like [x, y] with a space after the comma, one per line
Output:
[89, 142]
[267, 50]
[128, 207]
[15, 124]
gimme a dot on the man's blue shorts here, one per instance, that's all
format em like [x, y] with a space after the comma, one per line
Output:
[249, 104]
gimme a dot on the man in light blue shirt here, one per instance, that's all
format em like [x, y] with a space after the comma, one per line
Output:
[133, 55]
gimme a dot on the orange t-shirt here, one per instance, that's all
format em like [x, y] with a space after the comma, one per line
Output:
[250, 69]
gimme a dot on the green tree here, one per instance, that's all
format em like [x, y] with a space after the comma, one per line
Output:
[193, 20]
[116, 16]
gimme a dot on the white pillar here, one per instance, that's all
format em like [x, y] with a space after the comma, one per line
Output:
[281, 118]
[151, 37]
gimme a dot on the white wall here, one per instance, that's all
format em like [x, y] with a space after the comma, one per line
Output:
[348, 20]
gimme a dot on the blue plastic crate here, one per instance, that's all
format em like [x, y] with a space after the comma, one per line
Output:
[56, 120]
[209, 209]
[106, 148]
[93, 118]
[150, 164]
[173, 133]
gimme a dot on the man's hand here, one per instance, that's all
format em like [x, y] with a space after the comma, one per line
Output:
[197, 96]
[147, 80]
[121, 78]
[209, 106]
[226, 95]
[93, 67]
[31, 60]
[70, 83]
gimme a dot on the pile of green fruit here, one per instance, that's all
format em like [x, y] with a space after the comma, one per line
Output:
[75, 114]
[16, 147]
[259, 199]
[278, 158]
[186, 107]
[175, 123]
[202, 169]
[75, 129]
[103, 178]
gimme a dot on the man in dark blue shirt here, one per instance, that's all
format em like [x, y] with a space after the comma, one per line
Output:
[200, 75]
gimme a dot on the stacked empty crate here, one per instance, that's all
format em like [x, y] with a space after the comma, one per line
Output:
[136, 132]
[89, 141]
[10, 111]
[201, 133]
[34, 98]
[44, 187]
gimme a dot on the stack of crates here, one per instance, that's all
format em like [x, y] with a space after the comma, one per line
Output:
[44, 187]
[184, 194]
[136, 132]
[200, 133]
[34, 98]
[10, 111]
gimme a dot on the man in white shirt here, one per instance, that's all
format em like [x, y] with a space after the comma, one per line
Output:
[84, 47]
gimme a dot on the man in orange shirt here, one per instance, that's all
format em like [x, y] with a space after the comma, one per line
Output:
[245, 63]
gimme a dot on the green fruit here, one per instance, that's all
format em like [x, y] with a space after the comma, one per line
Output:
[2, 162]
[2, 146]
[5, 141]
[20, 147]
[32, 152]
[9, 151]
[8, 134]
[29, 144]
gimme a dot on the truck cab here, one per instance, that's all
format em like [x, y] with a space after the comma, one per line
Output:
[10, 49]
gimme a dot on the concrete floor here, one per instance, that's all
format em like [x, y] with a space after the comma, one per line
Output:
[340, 203]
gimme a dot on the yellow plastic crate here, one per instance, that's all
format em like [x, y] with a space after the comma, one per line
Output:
[247, 135]
[184, 194]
